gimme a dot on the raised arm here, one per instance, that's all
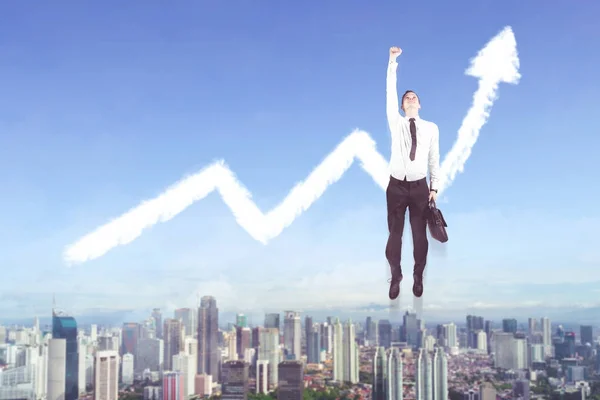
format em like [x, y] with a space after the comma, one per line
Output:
[434, 159]
[392, 109]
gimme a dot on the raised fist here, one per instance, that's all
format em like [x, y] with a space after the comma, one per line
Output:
[395, 52]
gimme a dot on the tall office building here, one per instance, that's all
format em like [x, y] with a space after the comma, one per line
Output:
[241, 321]
[338, 351]
[130, 338]
[394, 375]
[450, 335]
[262, 376]
[173, 387]
[532, 325]
[292, 334]
[308, 330]
[235, 380]
[157, 317]
[272, 321]
[509, 325]
[385, 333]
[65, 327]
[424, 376]
[127, 372]
[380, 375]
[187, 316]
[57, 364]
[350, 359]
[586, 334]
[387, 374]
[268, 350]
[209, 355]
[547, 336]
[150, 355]
[106, 375]
[173, 341]
[313, 345]
[291, 380]
[440, 374]
[487, 391]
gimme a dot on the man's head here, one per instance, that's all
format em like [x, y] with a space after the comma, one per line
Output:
[410, 101]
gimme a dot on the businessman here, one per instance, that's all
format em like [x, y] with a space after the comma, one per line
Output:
[415, 149]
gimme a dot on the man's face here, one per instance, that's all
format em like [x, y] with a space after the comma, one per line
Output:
[411, 101]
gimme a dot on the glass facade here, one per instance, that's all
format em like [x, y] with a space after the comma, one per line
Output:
[66, 328]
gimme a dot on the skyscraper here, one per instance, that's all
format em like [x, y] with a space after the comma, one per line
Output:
[440, 374]
[272, 321]
[130, 338]
[268, 350]
[380, 375]
[291, 380]
[157, 317]
[424, 376]
[106, 375]
[394, 375]
[292, 334]
[57, 363]
[65, 327]
[235, 380]
[586, 334]
[209, 356]
[173, 341]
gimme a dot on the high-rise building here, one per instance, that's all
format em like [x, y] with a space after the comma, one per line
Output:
[450, 335]
[127, 369]
[57, 365]
[509, 325]
[308, 330]
[150, 355]
[106, 375]
[338, 351]
[291, 380]
[130, 338]
[241, 321]
[313, 344]
[272, 321]
[424, 377]
[586, 334]
[173, 341]
[394, 375]
[487, 391]
[173, 386]
[547, 336]
[380, 375]
[235, 380]
[350, 359]
[209, 355]
[262, 376]
[157, 317]
[269, 351]
[187, 316]
[65, 327]
[440, 374]
[292, 334]
[385, 333]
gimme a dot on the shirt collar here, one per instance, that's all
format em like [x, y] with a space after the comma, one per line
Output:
[417, 118]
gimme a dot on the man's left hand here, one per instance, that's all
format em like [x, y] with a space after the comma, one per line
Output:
[432, 195]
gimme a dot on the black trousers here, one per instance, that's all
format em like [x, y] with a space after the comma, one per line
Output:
[414, 195]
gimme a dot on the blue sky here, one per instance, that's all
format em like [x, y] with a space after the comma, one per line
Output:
[105, 106]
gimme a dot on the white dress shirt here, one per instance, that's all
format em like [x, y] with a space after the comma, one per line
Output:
[428, 140]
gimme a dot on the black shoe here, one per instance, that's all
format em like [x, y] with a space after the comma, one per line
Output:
[418, 285]
[395, 286]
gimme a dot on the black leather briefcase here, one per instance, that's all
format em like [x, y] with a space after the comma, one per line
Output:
[436, 223]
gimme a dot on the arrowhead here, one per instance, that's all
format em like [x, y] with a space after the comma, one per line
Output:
[498, 61]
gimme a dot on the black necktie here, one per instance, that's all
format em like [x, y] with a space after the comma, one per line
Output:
[413, 135]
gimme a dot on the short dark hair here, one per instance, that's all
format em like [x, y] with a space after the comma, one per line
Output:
[407, 92]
